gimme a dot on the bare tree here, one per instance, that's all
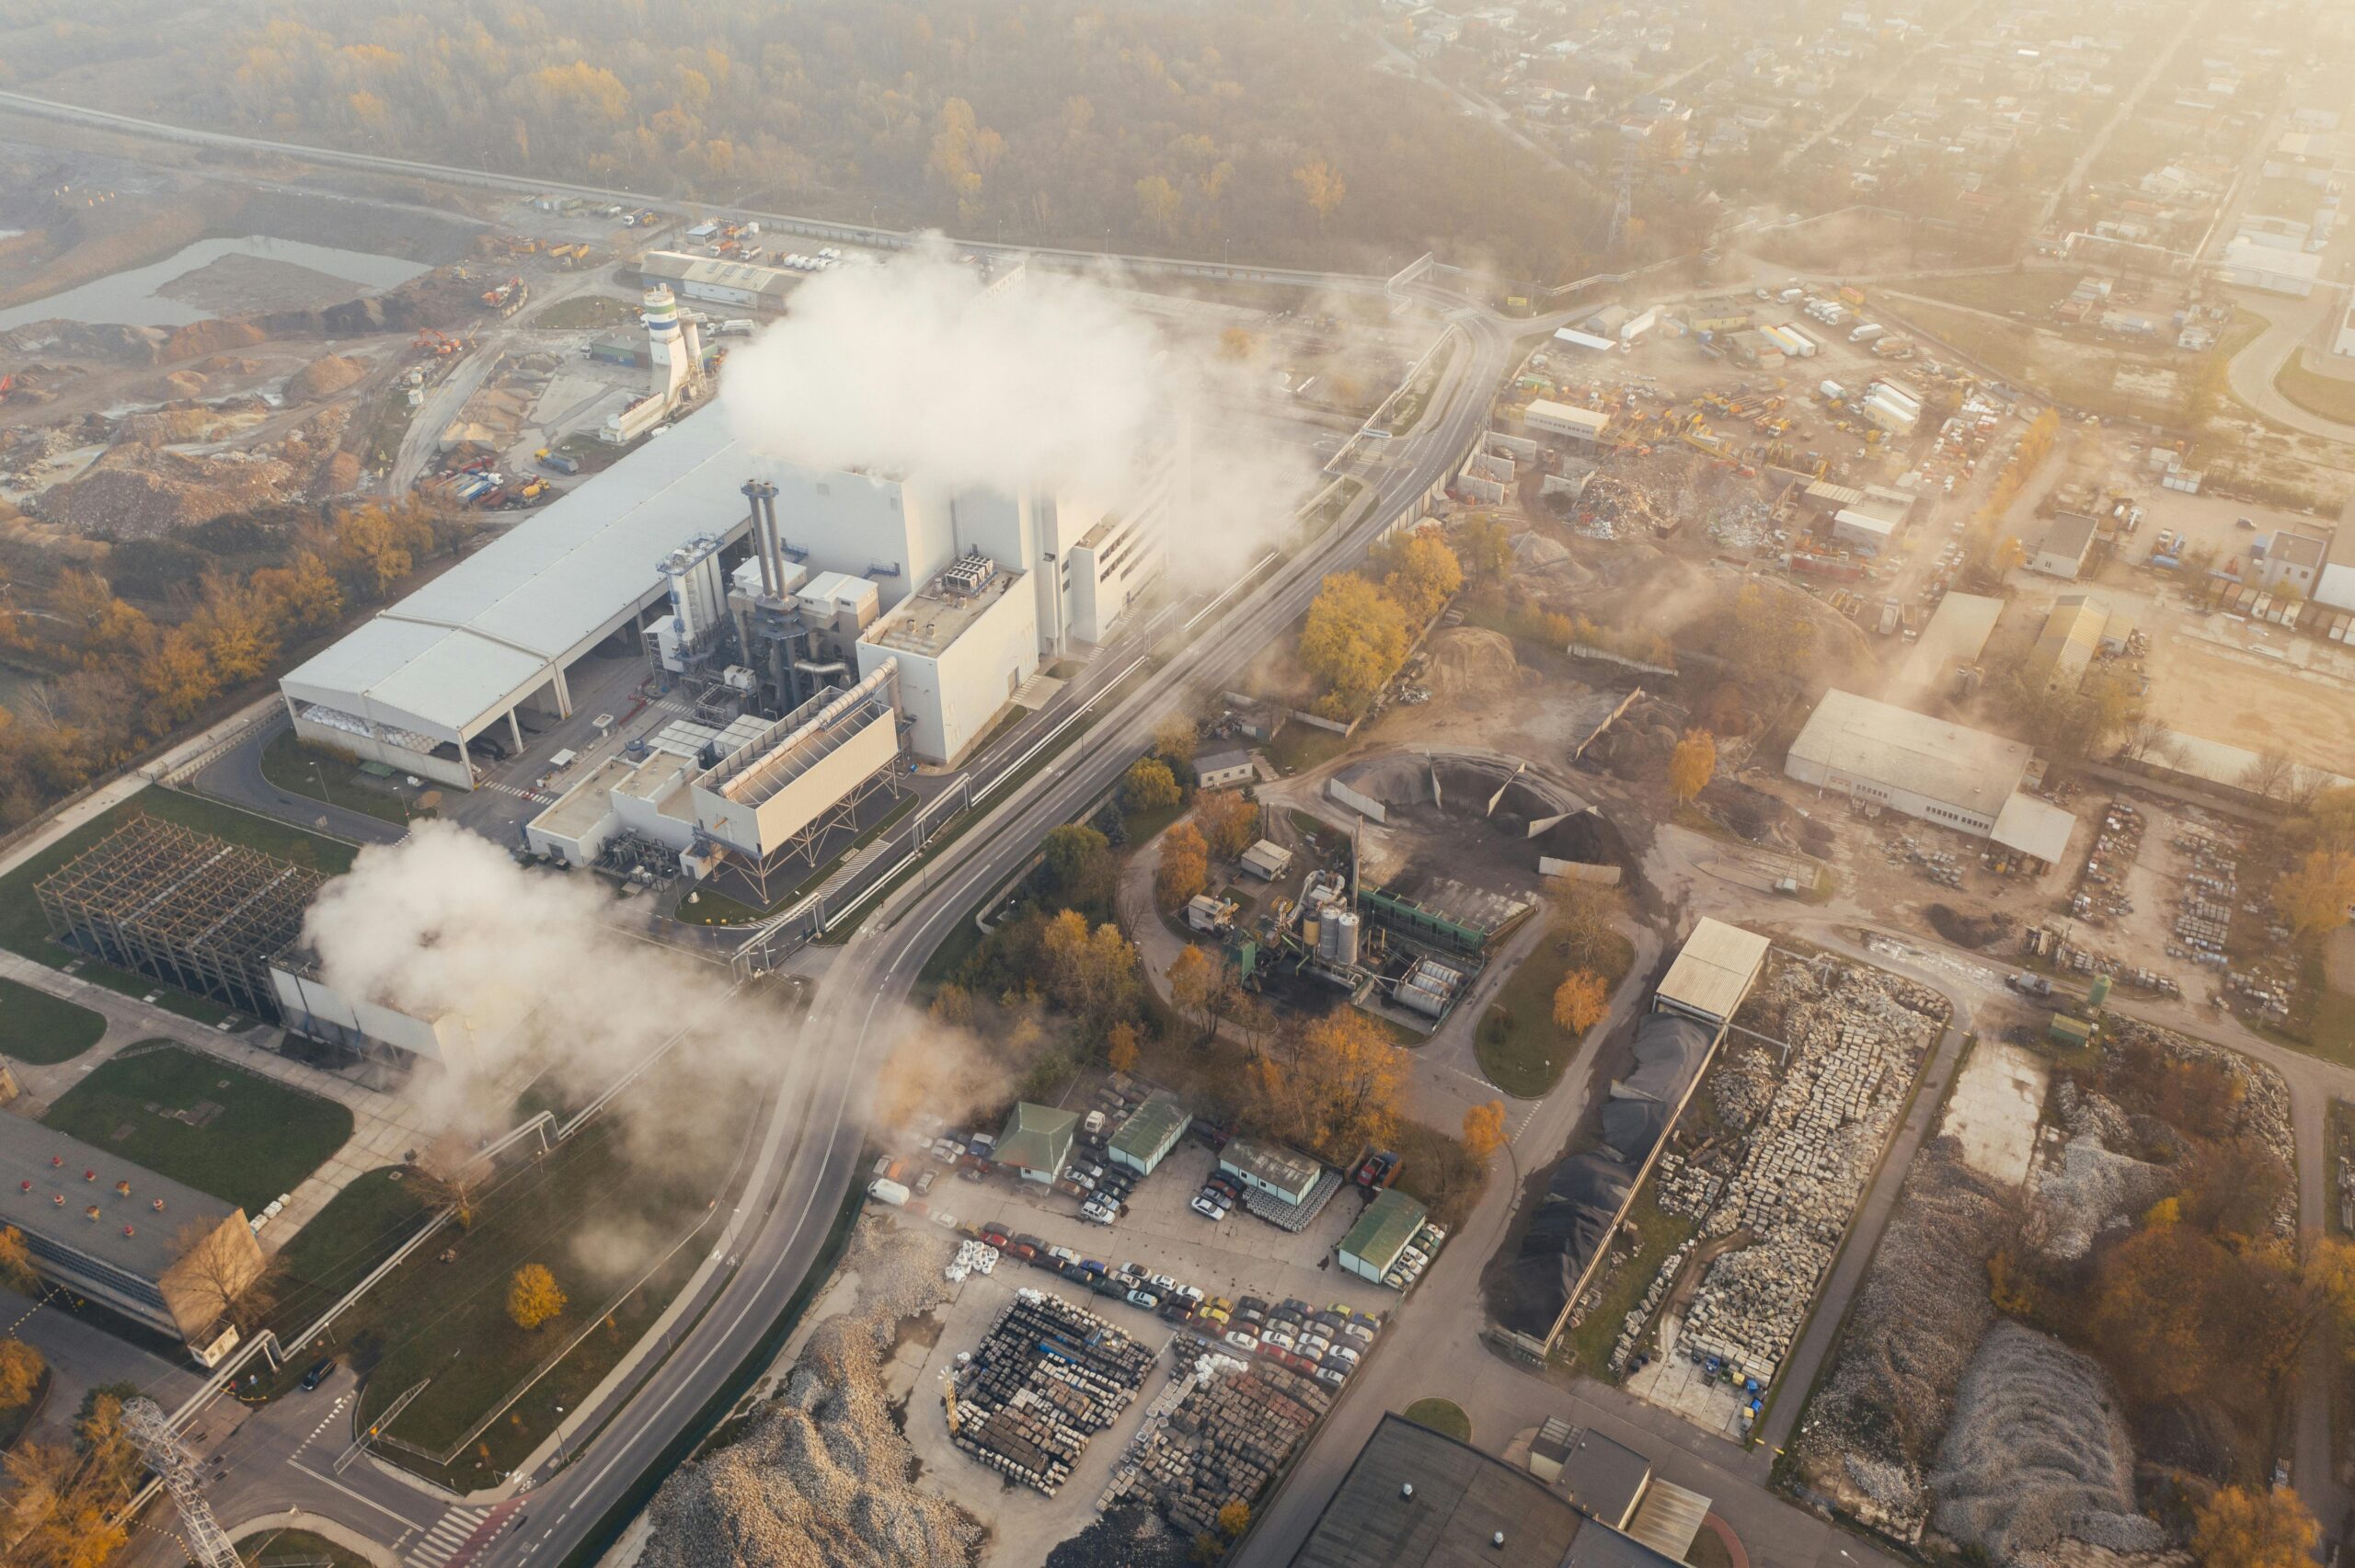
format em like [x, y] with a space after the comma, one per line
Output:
[2267, 775]
[218, 1276]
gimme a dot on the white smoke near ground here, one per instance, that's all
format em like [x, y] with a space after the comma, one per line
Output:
[444, 926]
[1057, 384]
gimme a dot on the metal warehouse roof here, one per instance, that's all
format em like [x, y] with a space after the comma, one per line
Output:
[1900, 749]
[465, 643]
[54, 1164]
[1383, 1232]
[1152, 1127]
[1714, 970]
[2034, 827]
[1037, 1138]
[1461, 1498]
[1957, 630]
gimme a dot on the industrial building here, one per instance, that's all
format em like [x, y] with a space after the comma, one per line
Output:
[1950, 644]
[1713, 971]
[2064, 650]
[1285, 1174]
[1150, 1132]
[717, 281]
[183, 908]
[1035, 1142]
[773, 589]
[1883, 756]
[1374, 1243]
[1562, 419]
[1416, 1498]
[2062, 552]
[1224, 770]
[143, 1245]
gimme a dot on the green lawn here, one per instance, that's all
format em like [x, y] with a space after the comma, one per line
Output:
[598, 1222]
[317, 775]
[1521, 1047]
[289, 1549]
[257, 1140]
[360, 1227]
[1442, 1415]
[22, 929]
[585, 312]
[2324, 396]
[40, 1028]
[1587, 1347]
[1299, 747]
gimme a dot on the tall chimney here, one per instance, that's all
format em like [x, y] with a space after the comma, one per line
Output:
[759, 539]
[767, 501]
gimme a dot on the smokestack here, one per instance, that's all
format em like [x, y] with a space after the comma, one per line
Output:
[771, 532]
[760, 538]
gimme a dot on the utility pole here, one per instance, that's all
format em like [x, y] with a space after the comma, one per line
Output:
[145, 1424]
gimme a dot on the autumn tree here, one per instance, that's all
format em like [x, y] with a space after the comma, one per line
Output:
[1233, 1519]
[1483, 1129]
[1173, 740]
[2313, 895]
[1587, 918]
[1419, 573]
[20, 1373]
[2182, 1315]
[16, 1271]
[1120, 1047]
[2266, 1528]
[1580, 1001]
[1691, 765]
[1193, 977]
[1148, 786]
[1091, 974]
[1484, 547]
[1159, 203]
[1078, 863]
[223, 1277]
[1354, 640]
[533, 1297]
[1322, 187]
[1333, 1086]
[1229, 823]
[1185, 865]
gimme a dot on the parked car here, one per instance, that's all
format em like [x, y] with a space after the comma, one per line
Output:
[995, 1237]
[1331, 1377]
[1345, 1352]
[1251, 1304]
[1093, 1267]
[1164, 1284]
[1062, 1254]
[1205, 1208]
[1145, 1299]
[1028, 1246]
[1242, 1340]
[320, 1371]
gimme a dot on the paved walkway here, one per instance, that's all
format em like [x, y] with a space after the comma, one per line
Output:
[384, 1125]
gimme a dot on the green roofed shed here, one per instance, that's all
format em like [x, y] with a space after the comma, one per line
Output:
[1036, 1140]
[1371, 1249]
[1152, 1130]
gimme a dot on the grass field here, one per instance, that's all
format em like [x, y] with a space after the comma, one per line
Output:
[1440, 1415]
[584, 312]
[600, 1223]
[2324, 396]
[2031, 294]
[2081, 375]
[1521, 1047]
[1299, 747]
[296, 1549]
[39, 1028]
[260, 1139]
[359, 1227]
[299, 770]
[1658, 1234]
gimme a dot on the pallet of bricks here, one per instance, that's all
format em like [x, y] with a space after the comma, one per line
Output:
[1223, 1442]
[1047, 1376]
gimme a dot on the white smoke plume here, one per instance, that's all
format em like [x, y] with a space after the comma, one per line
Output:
[1056, 384]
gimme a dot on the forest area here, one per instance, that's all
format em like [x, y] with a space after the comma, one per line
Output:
[1256, 131]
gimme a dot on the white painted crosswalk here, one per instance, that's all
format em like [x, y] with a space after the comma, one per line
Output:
[519, 792]
[451, 1531]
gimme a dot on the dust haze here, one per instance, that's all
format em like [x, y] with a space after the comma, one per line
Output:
[1055, 383]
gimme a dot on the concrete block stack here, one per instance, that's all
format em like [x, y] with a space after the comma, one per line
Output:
[1631, 1329]
[1856, 1043]
[1233, 1430]
[1046, 1378]
[1683, 1189]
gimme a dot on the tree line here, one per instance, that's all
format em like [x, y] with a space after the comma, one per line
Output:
[128, 678]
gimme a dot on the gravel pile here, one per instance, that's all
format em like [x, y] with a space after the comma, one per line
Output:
[821, 1476]
[135, 493]
[1743, 1086]
[2087, 1192]
[2036, 1454]
[1873, 1429]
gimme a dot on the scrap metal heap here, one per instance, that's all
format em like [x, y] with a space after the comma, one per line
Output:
[1047, 1376]
[1858, 1038]
[184, 908]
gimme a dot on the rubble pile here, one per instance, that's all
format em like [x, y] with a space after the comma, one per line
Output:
[1046, 1378]
[2261, 1105]
[1858, 1038]
[2210, 883]
[1131, 1536]
[1468, 661]
[821, 1476]
[1631, 1327]
[135, 493]
[1743, 1086]
[2036, 1454]
[1686, 1190]
[1216, 1437]
[2086, 1192]
[1872, 1429]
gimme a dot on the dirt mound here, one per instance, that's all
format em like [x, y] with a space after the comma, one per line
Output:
[134, 492]
[1469, 661]
[323, 378]
[1968, 931]
[202, 337]
[123, 345]
[340, 474]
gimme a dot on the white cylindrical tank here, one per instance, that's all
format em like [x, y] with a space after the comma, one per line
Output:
[1344, 927]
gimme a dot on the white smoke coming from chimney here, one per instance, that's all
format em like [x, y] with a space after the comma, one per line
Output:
[1056, 384]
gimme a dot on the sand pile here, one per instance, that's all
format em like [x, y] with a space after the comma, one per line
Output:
[323, 378]
[1468, 661]
[820, 1477]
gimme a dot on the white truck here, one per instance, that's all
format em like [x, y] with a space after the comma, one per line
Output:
[888, 1192]
[1868, 332]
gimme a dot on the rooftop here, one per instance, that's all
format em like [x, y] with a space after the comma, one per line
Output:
[925, 624]
[1568, 414]
[1151, 1126]
[1037, 1138]
[1903, 749]
[461, 645]
[1220, 761]
[585, 805]
[2034, 827]
[38, 1166]
[1272, 1163]
[1603, 1477]
[1388, 1223]
[1714, 970]
[2070, 637]
[2069, 537]
[1955, 634]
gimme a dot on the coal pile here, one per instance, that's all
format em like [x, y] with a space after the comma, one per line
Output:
[1131, 1536]
[1231, 1430]
[1046, 1378]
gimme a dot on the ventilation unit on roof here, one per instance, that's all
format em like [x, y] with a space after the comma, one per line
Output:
[970, 574]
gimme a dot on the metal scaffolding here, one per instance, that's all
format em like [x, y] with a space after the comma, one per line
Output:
[183, 908]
